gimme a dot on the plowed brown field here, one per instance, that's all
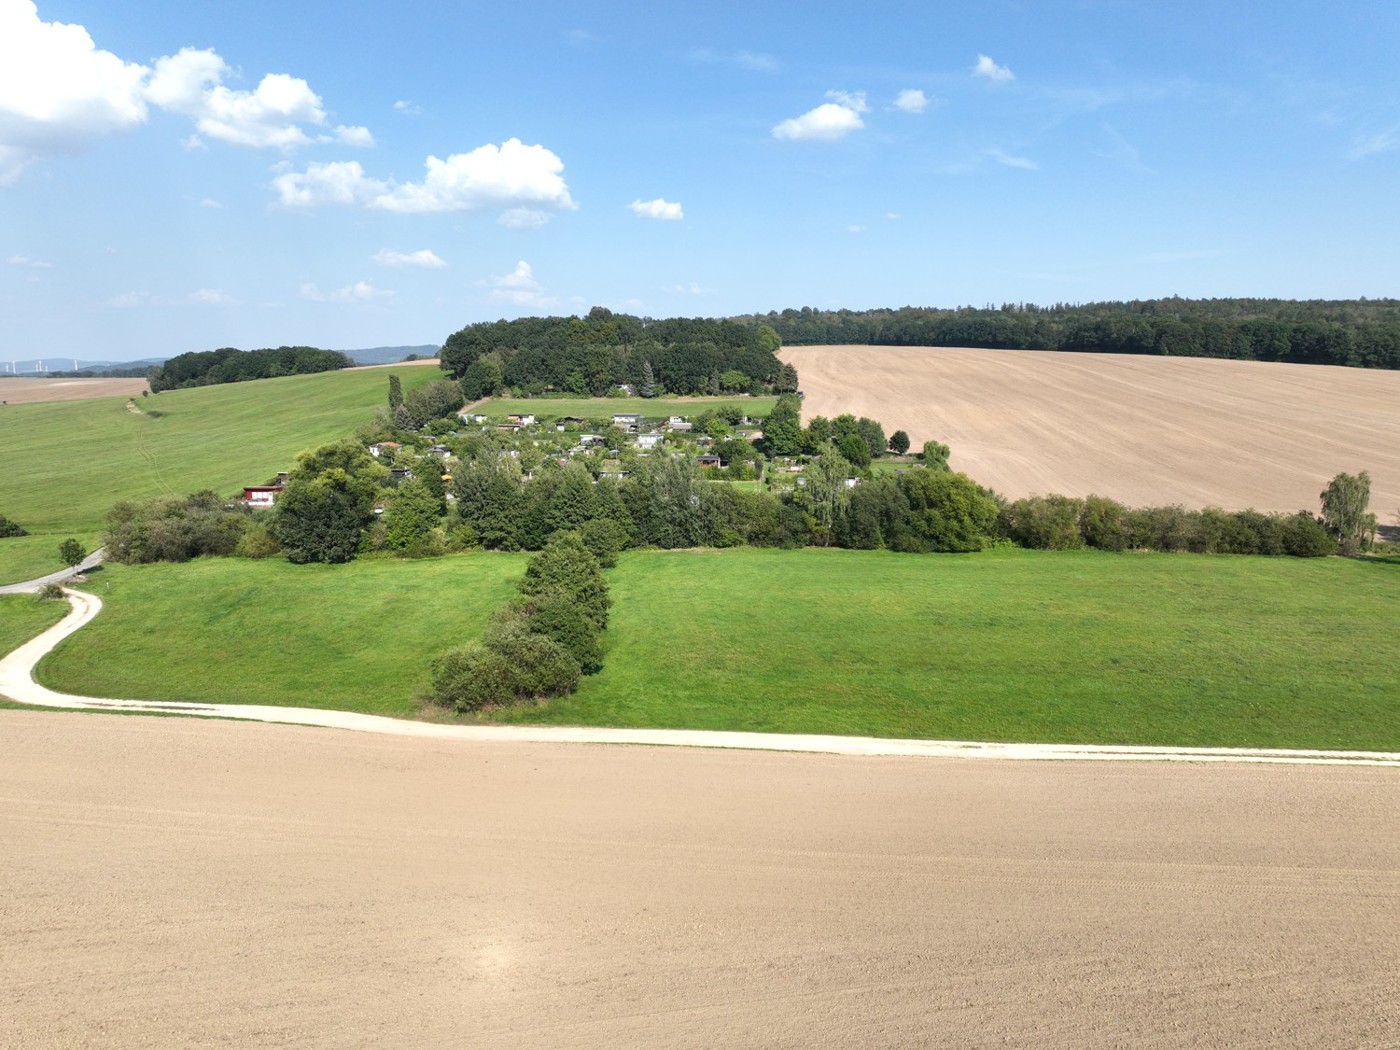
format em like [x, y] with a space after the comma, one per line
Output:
[175, 883]
[18, 391]
[1144, 430]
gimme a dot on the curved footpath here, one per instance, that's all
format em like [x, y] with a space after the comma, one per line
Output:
[29, 586]
[17, 683]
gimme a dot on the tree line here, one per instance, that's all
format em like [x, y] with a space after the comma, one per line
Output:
[230, 365]
[1360, 333]
[593, 355]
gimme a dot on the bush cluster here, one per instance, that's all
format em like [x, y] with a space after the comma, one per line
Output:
[537, 646]
[11, 528]
[1067, 523]
[173, 529]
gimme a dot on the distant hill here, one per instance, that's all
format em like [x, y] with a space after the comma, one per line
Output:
[388, 355]
[67, 366]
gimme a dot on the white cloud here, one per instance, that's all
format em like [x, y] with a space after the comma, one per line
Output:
[423, 257]
[509, 175]
[523, 218]
[892, 215]
[754, 61]
[403, 105]
[270, 116]
[692, 288]
[57, 89]
[985, 67]
[911, 100]
[519, 287]
[131, 300]
[211, 297]
[657, 209]
[210, 202]
[359, 292]
[1012, 161]
[23, 260]
[855, 228]
[339, 182]
[829, 121]
[1378, 142]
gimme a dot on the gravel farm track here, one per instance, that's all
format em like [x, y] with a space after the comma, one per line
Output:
[1148, 431]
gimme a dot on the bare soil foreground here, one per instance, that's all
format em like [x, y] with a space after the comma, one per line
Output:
[1144, 430]
[184, 883]
[19, 391]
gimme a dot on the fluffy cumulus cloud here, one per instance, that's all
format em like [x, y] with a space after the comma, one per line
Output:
[519, 287]
[359, 292]
[272, 115]
[911, 100]
[829, 121]
[424, 258]
[58, 90]
[510, 176]
[211, 297]
[985, 67]
[657, 209]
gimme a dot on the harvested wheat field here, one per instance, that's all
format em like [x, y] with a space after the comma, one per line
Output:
[19, 391]
[174, 882]
[1143, 430]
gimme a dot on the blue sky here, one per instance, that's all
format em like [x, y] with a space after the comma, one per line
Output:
[179, 176]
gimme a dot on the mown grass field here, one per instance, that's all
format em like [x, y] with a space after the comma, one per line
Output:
[22, 616]
[29, 557]
[1006, 645]
[602, 408]
[350, 637]
[1014, 645]
[80, 457]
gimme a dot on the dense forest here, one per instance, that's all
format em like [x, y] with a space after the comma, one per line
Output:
[209, 367]
[592, 355]
[1362, 333]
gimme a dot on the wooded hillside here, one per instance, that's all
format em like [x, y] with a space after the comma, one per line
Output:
[1362, 333]
[591, 355]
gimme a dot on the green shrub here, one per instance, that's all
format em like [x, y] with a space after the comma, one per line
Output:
[559, 620]
[10, 528]
[516, 665]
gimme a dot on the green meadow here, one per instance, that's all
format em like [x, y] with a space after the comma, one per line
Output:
[355, 637]
[22, 616]
[1005, 645]
[29, 557]
[602, 409]
[80, 457]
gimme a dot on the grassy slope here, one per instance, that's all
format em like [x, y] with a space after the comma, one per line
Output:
[352, 637]
[80, 457]
[603, 407]
[29, 557]
[1016, 645]
[22, 616]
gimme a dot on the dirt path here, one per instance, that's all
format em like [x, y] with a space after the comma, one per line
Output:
[173, 882]
[1144, 430]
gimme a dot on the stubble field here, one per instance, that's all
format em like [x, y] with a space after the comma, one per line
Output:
[174, 882]
[1143, 430]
